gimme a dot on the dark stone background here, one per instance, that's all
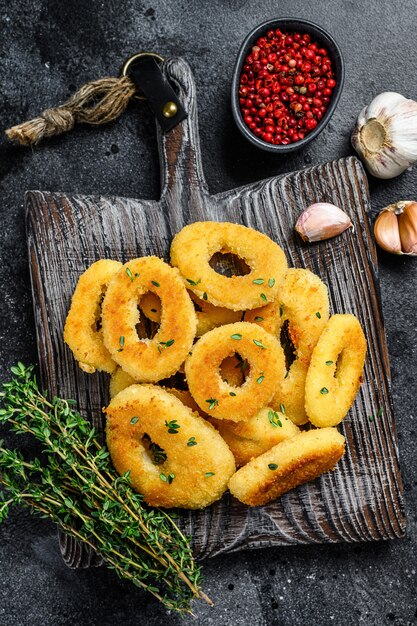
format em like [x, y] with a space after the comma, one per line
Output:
[49, 48]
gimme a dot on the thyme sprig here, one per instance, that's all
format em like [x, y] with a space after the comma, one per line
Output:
[74, 484]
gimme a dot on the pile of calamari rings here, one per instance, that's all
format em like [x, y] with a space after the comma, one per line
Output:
[238, 382]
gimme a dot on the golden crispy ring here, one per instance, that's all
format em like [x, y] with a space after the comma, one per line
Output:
[335, 372]
[288, 464]
[217, 397]
[268, 316]
[198, 462]
[148, 360]
[208, 316]
[255, 436]
[194, 246]
[81, 331]
[120, 380]
[302, 306]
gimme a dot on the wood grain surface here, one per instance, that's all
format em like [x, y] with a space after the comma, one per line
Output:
[362, 499]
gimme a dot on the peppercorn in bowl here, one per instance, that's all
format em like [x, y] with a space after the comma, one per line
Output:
[287, 82]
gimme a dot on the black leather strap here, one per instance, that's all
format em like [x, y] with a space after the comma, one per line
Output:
[147, 75]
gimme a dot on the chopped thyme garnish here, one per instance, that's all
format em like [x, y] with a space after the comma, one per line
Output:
[167, 479]
[271, 282]
[274, 419]
[194, 283]
[232, 393]
[258, 318]
[272, 466]
[236, 336]
[260, 379]
[324, 390]
[379, 414]
[281, 309]
[191, 442]
[165, 344]
[154, 282]
[318, 314]
[134, 420]
[212, 402]
[207, 474]
[172, 426]
[129, 273]
[259, 344]
[121, 343]
[263, 297]
[204, 296]
[329, 362]
[258, 281]
[282, 408]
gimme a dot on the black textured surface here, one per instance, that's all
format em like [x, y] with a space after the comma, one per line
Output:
[46, 50]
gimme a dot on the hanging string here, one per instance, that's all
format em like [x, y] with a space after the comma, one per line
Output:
[96, 102]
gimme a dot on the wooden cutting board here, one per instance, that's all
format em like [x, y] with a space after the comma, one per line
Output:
[362, 499]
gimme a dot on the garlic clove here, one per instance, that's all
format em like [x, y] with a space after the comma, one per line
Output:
[385, 135]
[322, 220]
[386, 231]
[407, 225]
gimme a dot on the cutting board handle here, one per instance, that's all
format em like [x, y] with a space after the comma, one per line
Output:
[179, 149]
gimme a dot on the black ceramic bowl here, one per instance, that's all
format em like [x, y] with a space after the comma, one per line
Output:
[318, 35]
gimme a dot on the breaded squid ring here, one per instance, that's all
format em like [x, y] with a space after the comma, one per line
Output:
[120, 380]
[288, 464]
[198, 462]
[82, 332]
[256, 435]
[148, 360]
[303, 304]
[208, 315]
[217, 397]
[335, 372]
[194, 246]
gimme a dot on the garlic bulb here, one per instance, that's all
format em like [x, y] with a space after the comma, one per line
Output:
[395, 228]
[322, 221]
[385, 135]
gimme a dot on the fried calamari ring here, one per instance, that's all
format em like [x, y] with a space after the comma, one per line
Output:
[217, 397]
[268, 316]
[335, 372]
[198, 462]
[256, 435]
[208, 315]
[299, 316]
[148, 360]
[120, 380]
[82, 331]
[194, 246]
[288, 464]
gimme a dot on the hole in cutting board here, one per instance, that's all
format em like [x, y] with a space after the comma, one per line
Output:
[287, 345]
[229, 264]
[155, 453]
[234, 370]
